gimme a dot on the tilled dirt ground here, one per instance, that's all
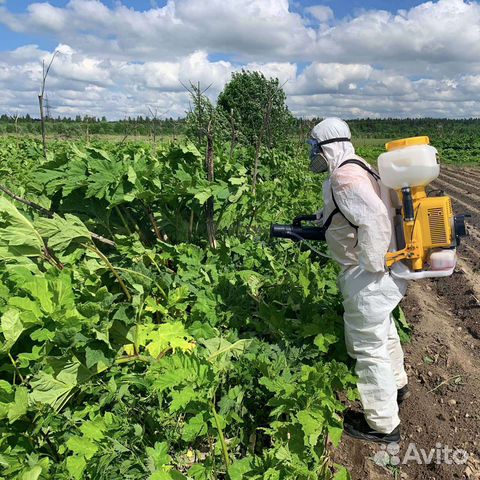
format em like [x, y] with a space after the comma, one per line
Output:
[442, 362]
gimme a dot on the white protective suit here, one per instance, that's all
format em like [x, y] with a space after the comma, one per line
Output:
[370, 293]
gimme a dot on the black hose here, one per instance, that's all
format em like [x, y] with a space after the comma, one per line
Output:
[293, 232]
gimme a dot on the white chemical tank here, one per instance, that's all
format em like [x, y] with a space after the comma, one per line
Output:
[444, 259]
[410, 162]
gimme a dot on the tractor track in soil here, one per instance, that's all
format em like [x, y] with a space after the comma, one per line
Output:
[442, 359]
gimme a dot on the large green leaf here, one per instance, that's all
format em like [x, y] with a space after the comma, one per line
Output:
[312, 425]
[55, 390]
[76, 465]
[38, 287]
[19, 236]
[158, 455]
[195, 427]
[159, 338]
[239, 468]
[61, 232]
[342, 474]
[20, 405]
[32, 474]
[12, 328]
[82, 446]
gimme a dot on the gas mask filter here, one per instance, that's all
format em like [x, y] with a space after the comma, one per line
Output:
[318, 162]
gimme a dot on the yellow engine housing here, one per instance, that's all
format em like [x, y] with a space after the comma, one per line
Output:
[432, 227]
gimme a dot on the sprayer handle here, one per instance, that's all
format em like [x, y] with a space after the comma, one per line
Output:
[297, 221]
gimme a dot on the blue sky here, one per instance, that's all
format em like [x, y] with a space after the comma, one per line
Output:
[352, 58]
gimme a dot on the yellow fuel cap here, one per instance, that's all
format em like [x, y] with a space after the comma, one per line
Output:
[406, 142]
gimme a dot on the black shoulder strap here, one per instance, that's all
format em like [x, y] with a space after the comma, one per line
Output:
[375, 175]
[327, 222]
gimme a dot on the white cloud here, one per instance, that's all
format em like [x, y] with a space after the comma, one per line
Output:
[242, 28]
[322, 13]
[445, 32]
[285, 72]
[330, 78]
[422, 61]
[48, 17]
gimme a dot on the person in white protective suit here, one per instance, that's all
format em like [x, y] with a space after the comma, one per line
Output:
[359, 234]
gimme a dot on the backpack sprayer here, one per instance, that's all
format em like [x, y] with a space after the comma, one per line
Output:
[426, 232]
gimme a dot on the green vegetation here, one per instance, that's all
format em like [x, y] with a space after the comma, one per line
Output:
[162, 357]
[257, 107]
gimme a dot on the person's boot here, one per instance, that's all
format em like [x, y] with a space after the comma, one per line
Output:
[402, 394]
[356, 426]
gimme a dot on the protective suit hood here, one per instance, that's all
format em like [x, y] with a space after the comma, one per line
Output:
[335, 152]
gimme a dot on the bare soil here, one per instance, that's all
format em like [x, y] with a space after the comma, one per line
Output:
[442, 361]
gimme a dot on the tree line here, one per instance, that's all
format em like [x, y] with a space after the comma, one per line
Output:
[361, 128]
[79, 125]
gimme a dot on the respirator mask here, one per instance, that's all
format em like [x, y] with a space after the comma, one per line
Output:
[318, 161]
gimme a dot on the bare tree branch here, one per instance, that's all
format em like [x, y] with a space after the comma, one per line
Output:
[205, 119]
[41, 100]
[211, 178]
[233, 134]
[154, 113]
